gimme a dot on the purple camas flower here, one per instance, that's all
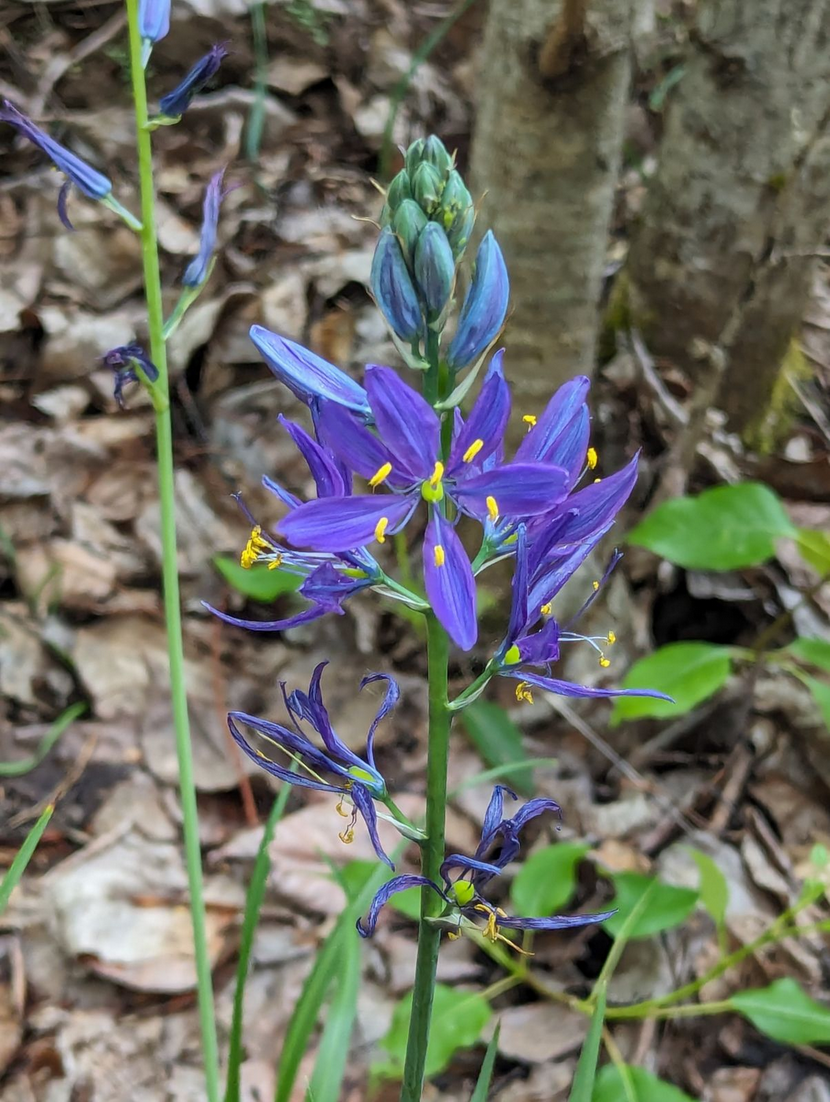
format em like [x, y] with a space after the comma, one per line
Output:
[125, 362]
[153, 19]
[464, 878]
[355, 780]
[176, 102]
[200, 266]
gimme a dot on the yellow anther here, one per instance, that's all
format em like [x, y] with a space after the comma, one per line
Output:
[492, 508]
[592, 458]
[438, 556]
[596, 480]
[380, 529]
[437, 475]
[454, 935]
[523, 693]
[610, 638]
[346, 836]
[276, 563]
[340, 811]
[380, 475]
[604, 662]
[253, 548]
[595, 585]
[472, 451]
[530, 420]
[546, 609]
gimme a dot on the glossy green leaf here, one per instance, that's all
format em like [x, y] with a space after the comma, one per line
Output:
[458, 1018]
[812, 652]
[546, 880]
[582, 1088]
[725, 528]
[485, 1075]
[644, 1087]
[688, 672]
[668, 906]
[714, 890]
[497, 739]
[814, 548]
[257, 582]
[785, 1012]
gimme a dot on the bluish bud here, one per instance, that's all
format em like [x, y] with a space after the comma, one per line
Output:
[201, 265]
[435, 153]
[485, 305]
[408, 223]
[393, 289]
[153, 19]
[399, 190]
[434, 268]
[427, 186]
[413, 156]
[176, 102]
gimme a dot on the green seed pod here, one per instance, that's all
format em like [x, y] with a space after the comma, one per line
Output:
[427, 186]
[435, 153]
[399, 190]
[408, 223]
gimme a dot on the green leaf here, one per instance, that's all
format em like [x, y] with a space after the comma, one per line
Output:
[485, 1076]
[646, 1087]
[257, 582]
[785, 1012]
[725, 528]
[457, 1021]
[821, 695]
[497, 739]
[333, 1052]
[23, 857]
[667, 906]
[714, 890]
[689, 672]
[814, 548]
[546, 880]
[813, 652]
[582, 1088]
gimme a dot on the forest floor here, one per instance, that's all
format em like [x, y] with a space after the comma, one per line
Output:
[96, 971]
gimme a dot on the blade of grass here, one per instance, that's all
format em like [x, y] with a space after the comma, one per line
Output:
[582, 1088]
[23, 856]
[482, 1088]
[330, 1066]
[253, 905]
[57, 728]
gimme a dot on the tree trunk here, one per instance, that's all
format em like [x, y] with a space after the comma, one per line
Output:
[546, 152]
[741, 194]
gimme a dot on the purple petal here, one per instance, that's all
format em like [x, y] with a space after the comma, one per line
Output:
[542, 442]
[198, 269]
[280, 492]
[449, 582]
[389, 701]
[487, 421]
[596, 506]
[307, 375]
[548, 578]
[407, 424]
[365, 805]
[542, 647]
[329, 588]
[385, 893]
[495, 812]
[316, 713]
[569, 688]
[519, 490]
[537, 806]
[304, 617]
[467, 864]
[339, 524]
[357, 446]
[297, 744]
[519, 604]
[153, 19]
[324, 469]
[63, 213]
[555, 922]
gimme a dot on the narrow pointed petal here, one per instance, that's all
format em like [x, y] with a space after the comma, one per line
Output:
[598, 504]
[391, 698]
[385, 893]
[539, 805]
[542, 441]
[63, 213]
[569, 688]
[365, 805]
[485, 305]
[407, 423]
[555, 922]
[487, 421]
[356, 446]
[280, 493]
[450, 586]
[177, 101]
[306, 375]
[315, 712]
[305, 617]
[329, 588]
[201, 265]
[519, 489]
[519, 603]
[298, 745]
[459, 862]
[494, 813]
[324, 469]
[87, 179]
[339, 524]
[549, 576]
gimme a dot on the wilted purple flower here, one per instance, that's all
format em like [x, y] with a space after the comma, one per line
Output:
[485, 305]
[87, 179]
[351, 777]
[125, 362]
[200, 266]
[393, 288]
[153, 19]
[311, 378]
[175, 103]
[465, 877]
[404, 457]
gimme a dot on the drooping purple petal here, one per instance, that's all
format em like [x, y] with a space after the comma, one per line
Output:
[365, 805]
[597, 505]
[310, 707]
[457, 861]
[328, 587]
[555, 922]
[63, 213]
[339, 524]
[487, 422]
[406, 422]
[304, 617]
[297, 744]
[307, 375]
[385, 893]
[391, 698]
[449, 582]
[518, 490]
[542, 441]
[324, 469]
[569, 688]
[537, 806]
[358, 447]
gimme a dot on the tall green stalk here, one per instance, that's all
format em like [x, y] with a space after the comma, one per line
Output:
[432, 855]
[169, 565]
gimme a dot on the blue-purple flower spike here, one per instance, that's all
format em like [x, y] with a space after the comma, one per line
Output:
[176, 102]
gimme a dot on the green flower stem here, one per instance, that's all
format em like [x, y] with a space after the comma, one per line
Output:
[474, 689]
[432, 855]
[169, 566]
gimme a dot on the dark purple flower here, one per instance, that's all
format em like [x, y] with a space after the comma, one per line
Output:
[176, 102]
[125, 362]
[465, 877]
[485, 306]
[200, 266]
[353, 778]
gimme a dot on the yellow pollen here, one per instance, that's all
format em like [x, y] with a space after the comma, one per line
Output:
[380, 475]
[436, 475]
[380, 529]
[340, 811]
[438, 556]
[253, 548]
[605, 662]
[610, 638]
[530, 420]
[595, 585]
[592, 458]
[546, 609]
[523, 693]
[492, 508]
[277, 562]
[472, 451]
[454, 935]
[346, 836]
[596, 480]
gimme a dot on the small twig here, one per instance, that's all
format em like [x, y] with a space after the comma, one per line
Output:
[661, 392]
[740, 766]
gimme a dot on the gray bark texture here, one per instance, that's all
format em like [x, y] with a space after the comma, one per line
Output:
[741, 196]
[546, 152]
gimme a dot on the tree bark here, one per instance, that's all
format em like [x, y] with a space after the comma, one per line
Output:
[546, 153]
[741, 195]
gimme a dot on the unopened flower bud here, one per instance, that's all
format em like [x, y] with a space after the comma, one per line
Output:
[485, 305]
[399, 189]
[393, 289]
[459, 232]
[408, 223]
[176, 102]
[427, 186]
[434, 268]
[414, 156]
[435, 153]
[153, 19]
[455, 200]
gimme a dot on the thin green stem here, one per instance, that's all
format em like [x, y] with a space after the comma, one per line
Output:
[432, 855]
[23, 857]
[169, 565]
